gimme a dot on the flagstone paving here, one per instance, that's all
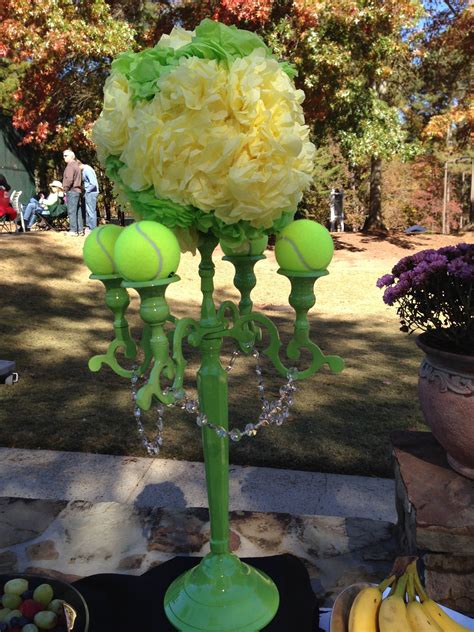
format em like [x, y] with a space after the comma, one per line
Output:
[178, 484]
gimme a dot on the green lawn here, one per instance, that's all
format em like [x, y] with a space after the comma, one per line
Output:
[53, 320]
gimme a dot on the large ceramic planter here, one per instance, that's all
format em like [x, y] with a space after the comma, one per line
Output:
[446, 392]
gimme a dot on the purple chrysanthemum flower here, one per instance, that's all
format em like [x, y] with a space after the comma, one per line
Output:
[466, 249]
[402, 266]
[389, 296]
[462, 270]
[434, 291]
[386, 279]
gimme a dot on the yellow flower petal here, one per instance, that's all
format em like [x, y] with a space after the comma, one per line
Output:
[231, 141]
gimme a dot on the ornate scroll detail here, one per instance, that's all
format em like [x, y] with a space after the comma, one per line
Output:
[459, 383]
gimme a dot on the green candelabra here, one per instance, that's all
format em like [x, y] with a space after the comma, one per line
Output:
[221, 593]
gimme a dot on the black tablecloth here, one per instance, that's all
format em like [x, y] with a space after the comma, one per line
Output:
[126, 603]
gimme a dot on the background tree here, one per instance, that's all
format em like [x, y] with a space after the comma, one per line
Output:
[439, 110]
[56, 56]
[350, 56]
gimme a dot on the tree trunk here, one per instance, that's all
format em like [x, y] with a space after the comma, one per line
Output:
[374, 219]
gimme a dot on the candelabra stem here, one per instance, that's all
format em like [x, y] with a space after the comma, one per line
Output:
[221, 593]
[212, 388]
[207, 244]
[302, 299]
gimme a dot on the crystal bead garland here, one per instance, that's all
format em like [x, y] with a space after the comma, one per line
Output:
[152, 447]
[274, 412]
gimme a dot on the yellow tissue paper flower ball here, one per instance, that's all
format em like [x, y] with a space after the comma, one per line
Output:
[226, 140]
[206, 130]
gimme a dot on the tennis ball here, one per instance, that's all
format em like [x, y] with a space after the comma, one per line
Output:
[304, 246]
[251, 247]
[98, 251]
[145, 251]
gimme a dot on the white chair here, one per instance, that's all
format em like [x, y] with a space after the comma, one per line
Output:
[15, 202]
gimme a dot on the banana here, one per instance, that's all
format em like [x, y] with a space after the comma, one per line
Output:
[431, 608]
[442, 619]
[365, 607]
[393, 612]
[419, 620]
[364, 610]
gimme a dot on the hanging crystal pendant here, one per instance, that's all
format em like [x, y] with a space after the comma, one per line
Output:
[201, 420]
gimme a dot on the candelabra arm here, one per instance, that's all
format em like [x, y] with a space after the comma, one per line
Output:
[245, 281]
[184, 327]
[117, 300]
[228, 306]
[302, 298]
[246, 338]
[206, 246]
[154, 312]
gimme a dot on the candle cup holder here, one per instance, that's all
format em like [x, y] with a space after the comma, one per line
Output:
[302, 298]
[221, 593]
[154, 312]
[245, 281]
[117, 300]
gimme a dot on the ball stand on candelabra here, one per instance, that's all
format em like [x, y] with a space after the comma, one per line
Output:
[221, 593]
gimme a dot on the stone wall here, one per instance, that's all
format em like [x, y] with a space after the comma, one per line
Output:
[435, 508]
[75, 539]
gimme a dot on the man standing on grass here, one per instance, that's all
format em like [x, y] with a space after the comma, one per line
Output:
[91, 191]
[72, 185]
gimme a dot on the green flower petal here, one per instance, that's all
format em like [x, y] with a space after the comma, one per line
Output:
[213, 40]
[148, 206]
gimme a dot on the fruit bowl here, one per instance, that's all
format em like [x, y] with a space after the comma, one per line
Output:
[342, 606]
[77, 613]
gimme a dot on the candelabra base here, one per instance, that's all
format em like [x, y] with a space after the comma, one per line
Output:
[221, 594]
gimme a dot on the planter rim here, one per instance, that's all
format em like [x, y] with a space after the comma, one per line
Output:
[465, 361]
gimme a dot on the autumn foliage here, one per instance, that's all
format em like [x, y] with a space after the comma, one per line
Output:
[377, 84]
[68, 47]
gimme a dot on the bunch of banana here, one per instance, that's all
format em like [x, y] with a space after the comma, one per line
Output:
[400, 611]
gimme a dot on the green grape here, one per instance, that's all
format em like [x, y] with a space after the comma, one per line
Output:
[11, 614]
[15, 587]
[3, 613]
[45, 620]
[56, 606]
[29, 627]
[43, 594]
[11, 601]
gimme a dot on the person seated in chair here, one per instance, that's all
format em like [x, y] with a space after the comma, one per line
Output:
[41, 207]
[6, 209]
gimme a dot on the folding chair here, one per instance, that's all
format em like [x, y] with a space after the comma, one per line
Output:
[55, 218]
[4, 224]
[11, 225]
[15, 202]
